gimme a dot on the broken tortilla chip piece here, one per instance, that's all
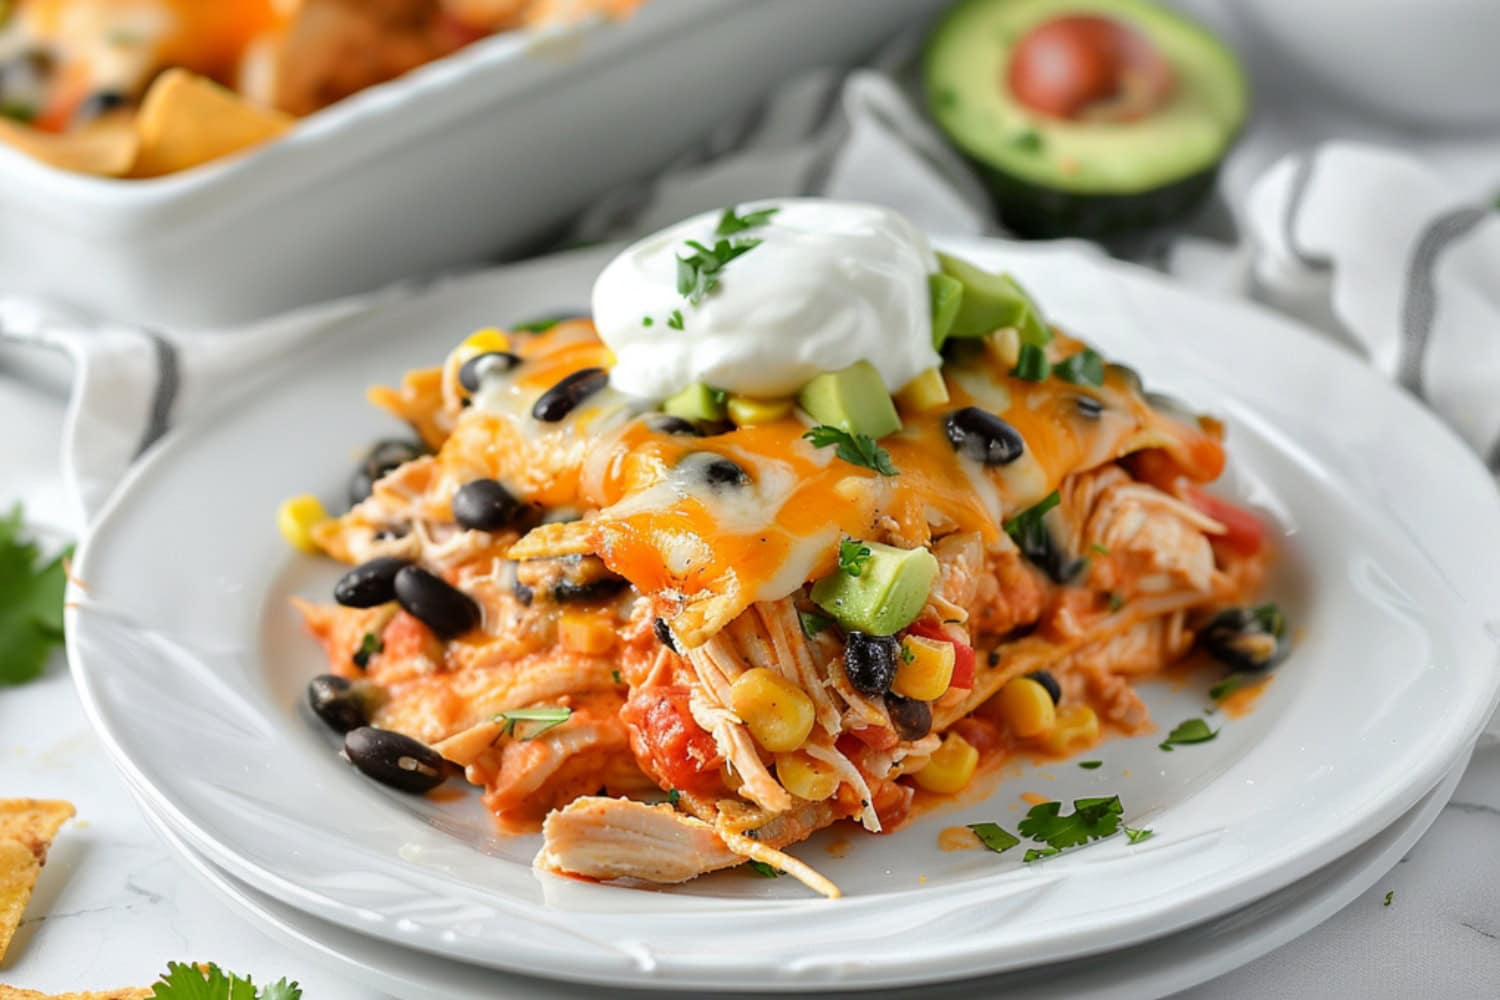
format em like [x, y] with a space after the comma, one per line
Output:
[186, 119]
[125, 993]
[27, 827]
[106, 147]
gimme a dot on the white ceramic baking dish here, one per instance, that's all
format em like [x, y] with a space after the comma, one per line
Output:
[472, 156]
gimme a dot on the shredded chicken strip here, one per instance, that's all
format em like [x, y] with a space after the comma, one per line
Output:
[849, 773]
[738, 748]
[785, 631]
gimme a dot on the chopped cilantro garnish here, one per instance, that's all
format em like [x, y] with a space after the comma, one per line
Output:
[698, 273]
[31, 603]
[762, 869]
[994, 837]
[675, 320]
[1101, 549]
[1230, 685]
[1026, 527]
[813, 623]
[673, 796]
[854, 556]
[1091, 765]
[543, 719]
[183, 981]
[907, 656]
[615, 676]
[1390, 895]
[1091, 819]
[1116, 600]
[1083, 368]
[856, 449]
[368, 647]
[730, 223]
[1191, 731]
[647, 321]
[541, 325]
[1031, 364]
[1138, 836]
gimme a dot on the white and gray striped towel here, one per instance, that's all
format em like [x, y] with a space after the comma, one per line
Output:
[1364, 243]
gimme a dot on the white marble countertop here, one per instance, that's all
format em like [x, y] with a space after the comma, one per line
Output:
[113, 906]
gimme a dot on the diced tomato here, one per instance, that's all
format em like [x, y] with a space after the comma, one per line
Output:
[1244, 532]
[982, 734]
[668, 741]
[856, 740]
[963, 653]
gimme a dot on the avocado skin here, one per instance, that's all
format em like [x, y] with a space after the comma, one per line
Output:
[1040, 212]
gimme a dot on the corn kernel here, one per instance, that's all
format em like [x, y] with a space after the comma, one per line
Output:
[925, 670]
[926, 392]
[779, 714]
[585, 632]
[806, 777]
[951, 766]
[1077, 729]
[296, 518]
[747, 411]
[1027, 707]
[482, 342]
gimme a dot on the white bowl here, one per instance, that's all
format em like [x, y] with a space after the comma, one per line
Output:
[476, 154]
[1429, 63]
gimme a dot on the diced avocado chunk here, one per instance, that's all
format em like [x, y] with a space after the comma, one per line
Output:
[696, 402]
[854, 400]
[888, 594]
[945, 293]
[991, 302]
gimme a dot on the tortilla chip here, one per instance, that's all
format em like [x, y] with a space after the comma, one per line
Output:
[125, 993]
[105, 147]
[186, 119]
[27, 827]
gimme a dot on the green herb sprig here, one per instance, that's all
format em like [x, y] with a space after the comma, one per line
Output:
[536, 720]
[1189, 732]
[856, 449]
[854, 556]
[31, 602]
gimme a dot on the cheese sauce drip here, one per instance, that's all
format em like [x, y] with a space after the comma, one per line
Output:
[712, 545]
[826, 284]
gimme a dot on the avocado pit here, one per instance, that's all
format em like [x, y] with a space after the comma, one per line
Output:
[1088, 67]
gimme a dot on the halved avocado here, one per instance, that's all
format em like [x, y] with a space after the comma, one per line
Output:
[1150, 104]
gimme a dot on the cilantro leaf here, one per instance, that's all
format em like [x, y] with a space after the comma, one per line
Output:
[1138, 836]
[730, 223]
[813, 623]
[183, 981]
[673, 796]
[994, 837]
[31, 603]
[1230, 685]
[856, 449]
[762, 869]
[1038, 853]
[1090, 820]
[854, 556]
[1026, 528]
[543, 719]
[1031, 364]
[369, 645]
[1389, 896]
[1091, 765]
[698, 273]
[1083, 368]
[675, 320]
[541, 325]
[1191, 731]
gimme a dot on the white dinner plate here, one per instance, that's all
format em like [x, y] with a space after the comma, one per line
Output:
[1156, 969]
[192, 667]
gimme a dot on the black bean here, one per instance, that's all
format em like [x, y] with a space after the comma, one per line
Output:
[560, 400]
[379, 460]
[341, 703]
[723, 472]
[870, 662]
[665, 423]
[1049, 682]
[911, 718]
[1089, 407]
[1251, 640]
[984, 437]
[485, 505]
[370, 583]
[565, 591]
[524, 594]
[664, 633]
[436, 603]
[396, 760]
[100, 102]
[473, 371]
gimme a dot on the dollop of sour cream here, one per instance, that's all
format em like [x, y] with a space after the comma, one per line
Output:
[831, 283]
